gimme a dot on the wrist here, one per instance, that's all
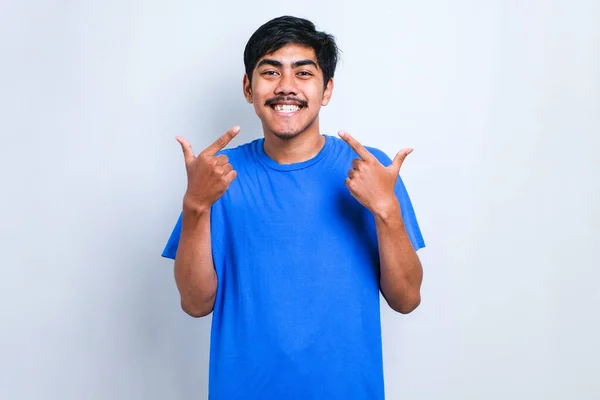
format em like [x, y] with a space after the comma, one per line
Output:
[194, 208]
[386, 210]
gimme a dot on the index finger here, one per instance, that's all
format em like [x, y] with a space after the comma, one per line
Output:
[356, 146]
[222, 141]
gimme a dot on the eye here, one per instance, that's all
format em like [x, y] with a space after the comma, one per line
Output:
[269, 73]
[305, 73]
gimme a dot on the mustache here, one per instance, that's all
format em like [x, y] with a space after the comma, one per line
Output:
[302, 103]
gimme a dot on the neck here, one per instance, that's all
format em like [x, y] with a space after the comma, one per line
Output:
[298, 149]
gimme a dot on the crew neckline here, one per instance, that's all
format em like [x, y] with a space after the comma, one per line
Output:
[269, 162]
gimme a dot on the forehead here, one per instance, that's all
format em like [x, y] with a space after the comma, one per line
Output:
[290, 53]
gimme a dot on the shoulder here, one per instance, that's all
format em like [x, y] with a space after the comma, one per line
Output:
[242, 153]
[380, 155]
[343, 147]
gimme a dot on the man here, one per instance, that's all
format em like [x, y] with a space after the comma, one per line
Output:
[289, 239]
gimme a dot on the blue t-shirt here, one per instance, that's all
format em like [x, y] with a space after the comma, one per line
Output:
[297, 311]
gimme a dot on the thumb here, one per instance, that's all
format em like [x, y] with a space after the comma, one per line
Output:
[186, 147]
[399, 159]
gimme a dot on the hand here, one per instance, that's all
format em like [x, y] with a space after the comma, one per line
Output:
[208, 176]
[371, 183]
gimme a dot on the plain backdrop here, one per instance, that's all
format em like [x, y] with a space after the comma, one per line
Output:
[499, 99]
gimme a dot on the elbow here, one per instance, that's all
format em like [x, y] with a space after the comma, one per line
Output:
[407, 305]
[196, 311]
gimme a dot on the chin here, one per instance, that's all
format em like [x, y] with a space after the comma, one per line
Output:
[289, 131]
[286, 135]
[287, 128]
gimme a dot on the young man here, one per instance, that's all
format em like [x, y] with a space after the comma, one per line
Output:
[289, 239]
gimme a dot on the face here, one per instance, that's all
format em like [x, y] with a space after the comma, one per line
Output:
[288, 91]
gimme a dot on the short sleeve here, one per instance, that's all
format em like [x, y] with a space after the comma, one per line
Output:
[408, 213]
[170, 249]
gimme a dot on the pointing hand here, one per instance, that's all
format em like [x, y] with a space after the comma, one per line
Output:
[369, 181]
[208, 176]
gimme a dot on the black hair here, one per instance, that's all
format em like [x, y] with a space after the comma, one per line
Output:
[284, 30]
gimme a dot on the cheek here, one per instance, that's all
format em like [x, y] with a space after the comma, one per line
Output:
[260, 94]
[314, 94]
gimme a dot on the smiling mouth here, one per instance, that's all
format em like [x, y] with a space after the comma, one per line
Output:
[286, 108]
[286, 105]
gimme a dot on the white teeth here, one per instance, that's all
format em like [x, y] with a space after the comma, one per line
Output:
[286, 107]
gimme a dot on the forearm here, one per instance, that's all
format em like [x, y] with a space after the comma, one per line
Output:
[401, 272]
[194, 268]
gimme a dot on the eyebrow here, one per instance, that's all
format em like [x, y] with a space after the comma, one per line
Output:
[295, 64]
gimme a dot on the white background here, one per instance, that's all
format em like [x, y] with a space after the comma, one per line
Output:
[499, 99]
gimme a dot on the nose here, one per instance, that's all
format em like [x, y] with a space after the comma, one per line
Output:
[286, 85]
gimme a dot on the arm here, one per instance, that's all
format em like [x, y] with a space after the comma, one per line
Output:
[401, 272]
[209, 176]
[194, 269]
[372, 184]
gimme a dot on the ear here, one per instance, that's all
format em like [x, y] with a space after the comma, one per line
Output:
[247, 87]
[327, 93]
